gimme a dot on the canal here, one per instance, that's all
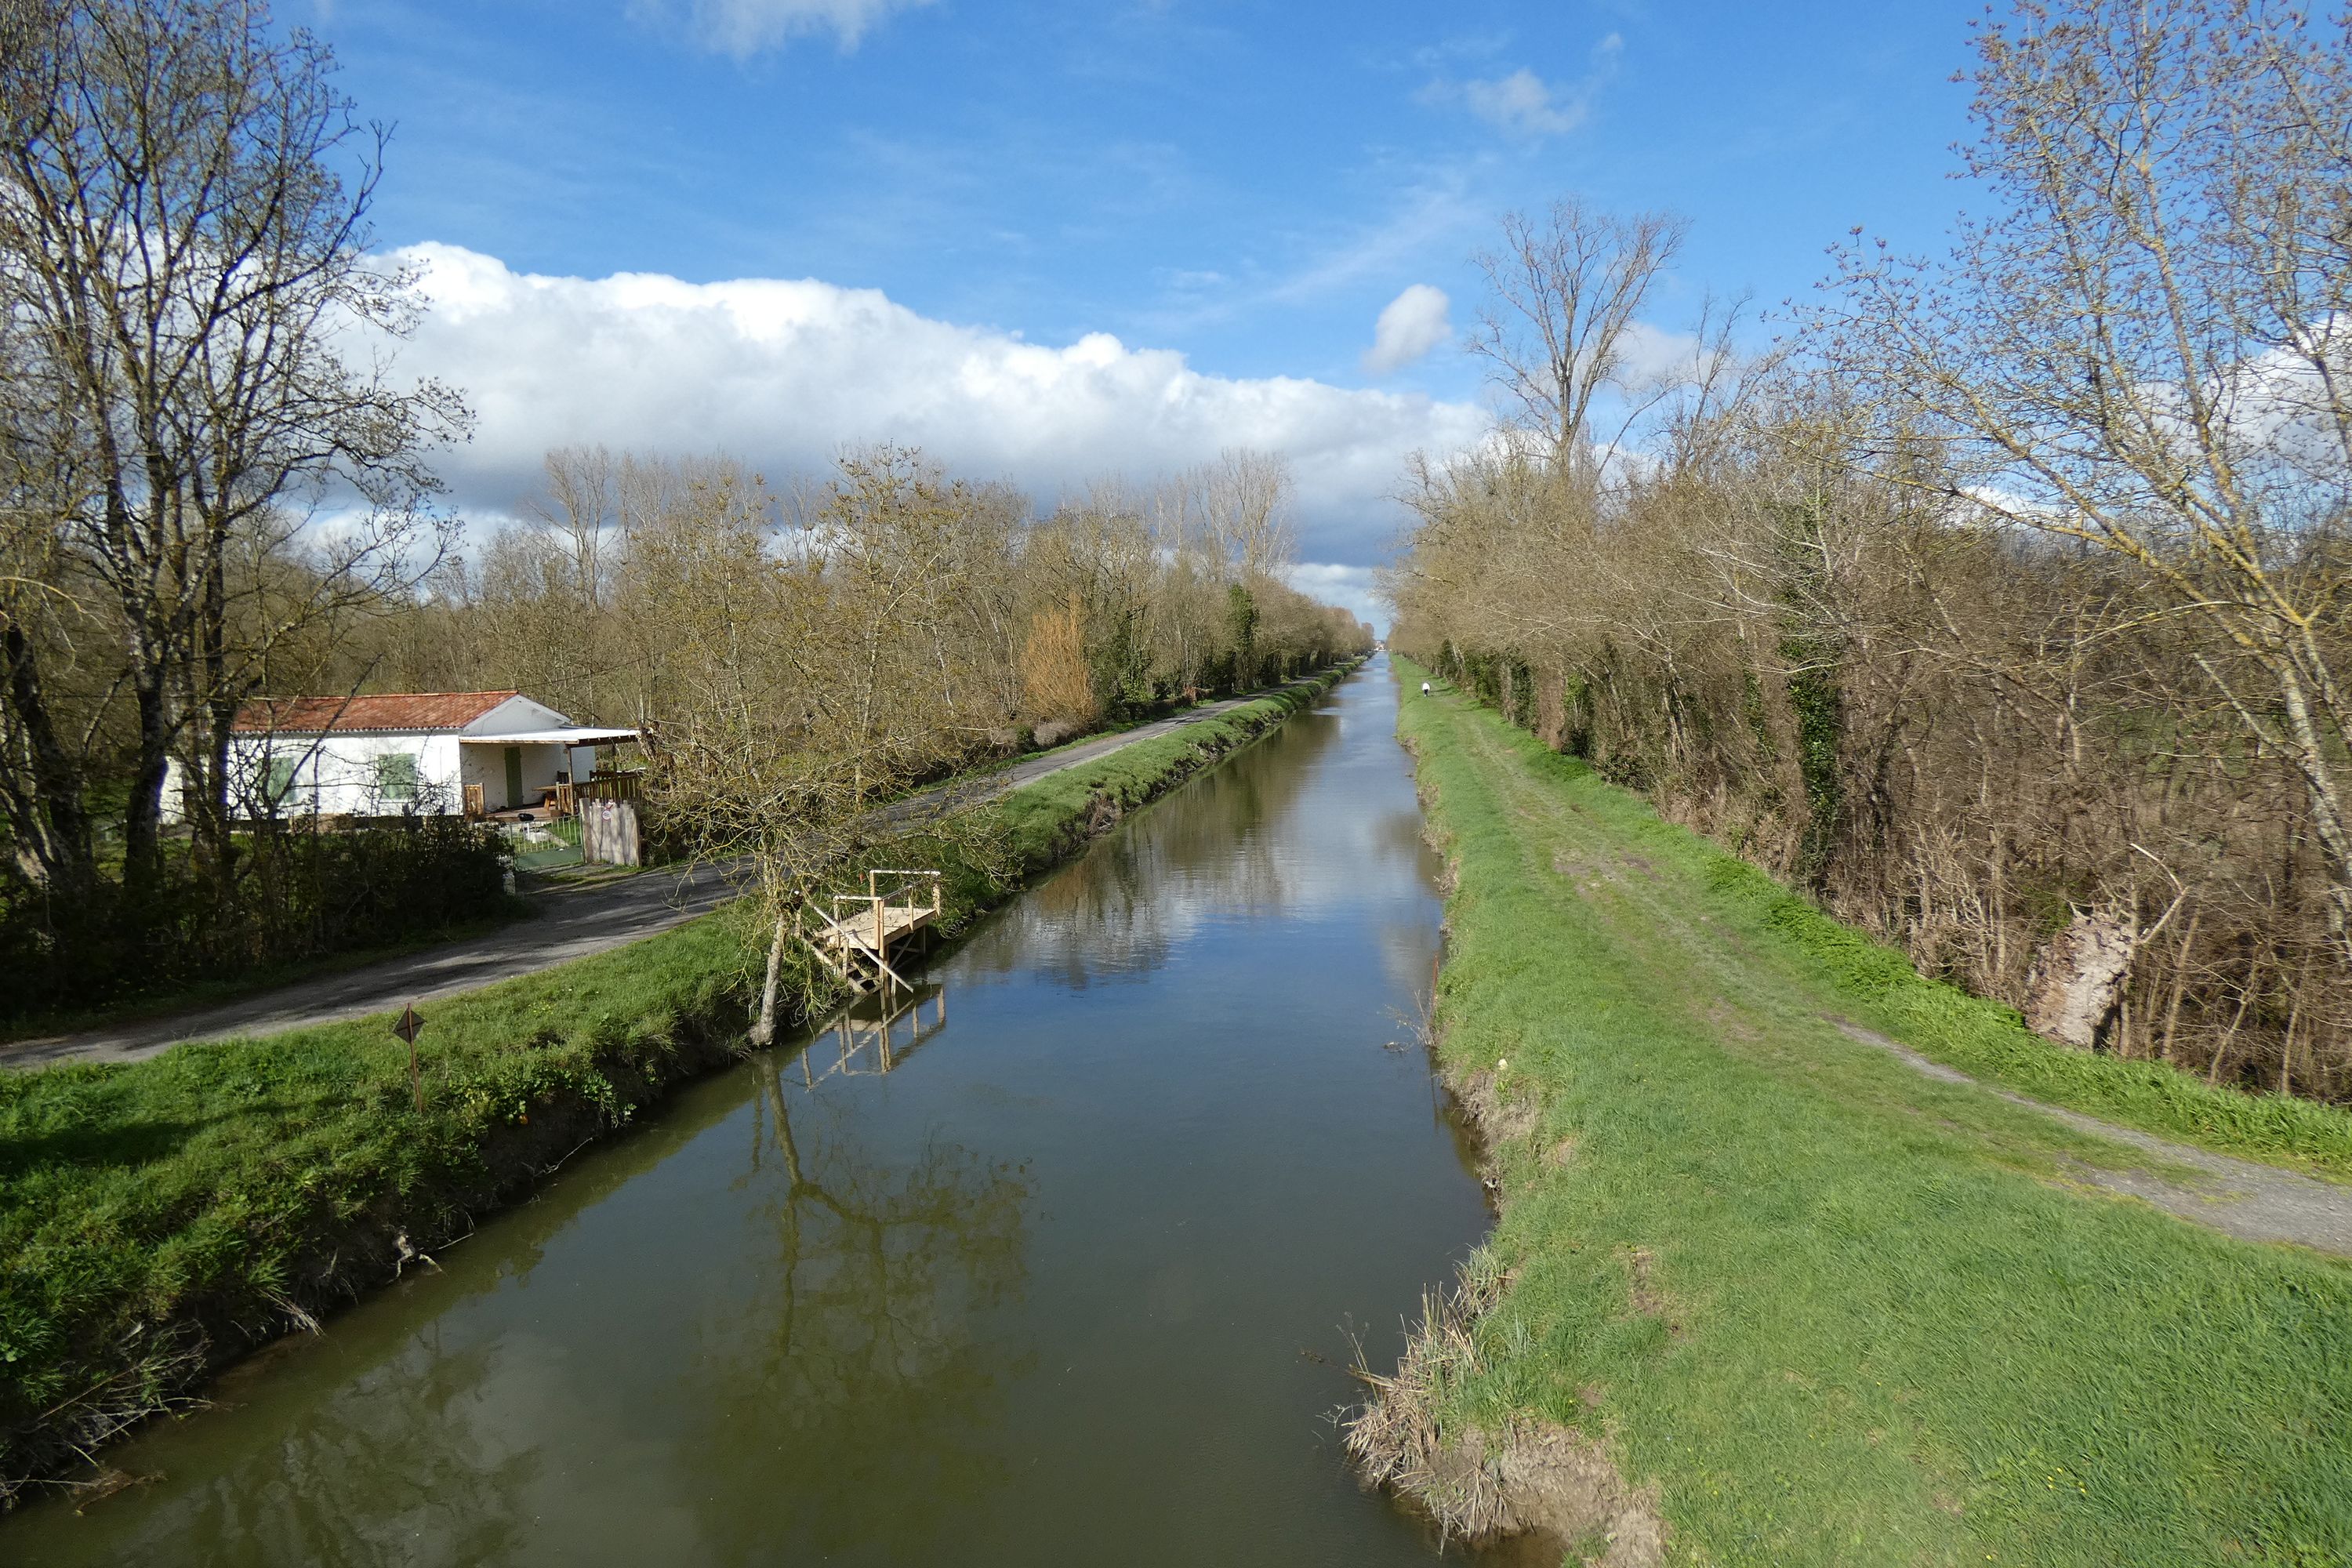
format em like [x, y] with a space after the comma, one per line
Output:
[1065, 1268]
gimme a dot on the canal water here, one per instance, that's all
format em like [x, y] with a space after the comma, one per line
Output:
[1065, 1268]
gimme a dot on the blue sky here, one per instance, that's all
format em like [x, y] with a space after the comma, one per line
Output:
[1245, 186]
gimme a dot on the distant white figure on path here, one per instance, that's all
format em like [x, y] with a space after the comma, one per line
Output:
[1424, 689]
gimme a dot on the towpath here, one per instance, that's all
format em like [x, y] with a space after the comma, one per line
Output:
[2239, 1197]
[572, 923]
[1748, 993]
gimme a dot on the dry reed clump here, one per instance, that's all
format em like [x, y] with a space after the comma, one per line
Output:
[154, 1378]
[1535, 1478]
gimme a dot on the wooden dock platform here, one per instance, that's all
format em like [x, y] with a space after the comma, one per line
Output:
[856, 939]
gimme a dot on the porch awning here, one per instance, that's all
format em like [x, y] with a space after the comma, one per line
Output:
[575, 736]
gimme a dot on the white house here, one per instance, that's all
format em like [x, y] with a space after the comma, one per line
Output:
[404, 752]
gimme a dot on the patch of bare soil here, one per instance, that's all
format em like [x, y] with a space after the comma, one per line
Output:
[1649, 1298]
[1729, 1020]
[1449, 874]
[1498, 1119]
[1582, 875]
[1501, 1119]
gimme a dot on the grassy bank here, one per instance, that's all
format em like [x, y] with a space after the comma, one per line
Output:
[1768, 1295]
[158, 1217]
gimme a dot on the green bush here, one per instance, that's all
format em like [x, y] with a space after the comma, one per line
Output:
[292, 893]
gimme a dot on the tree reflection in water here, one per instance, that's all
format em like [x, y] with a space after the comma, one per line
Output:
[856, 1376]
[1408, 940]
[394, 1470]
[1218, 844]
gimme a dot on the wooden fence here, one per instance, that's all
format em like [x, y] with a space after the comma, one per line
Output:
[608, 833]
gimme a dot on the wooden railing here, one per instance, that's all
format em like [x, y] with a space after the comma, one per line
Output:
[628, 787]
[875, 890]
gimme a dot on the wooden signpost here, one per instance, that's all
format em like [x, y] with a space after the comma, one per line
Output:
[408, 1028]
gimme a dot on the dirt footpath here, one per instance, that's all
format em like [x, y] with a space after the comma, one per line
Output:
[2239, 1197]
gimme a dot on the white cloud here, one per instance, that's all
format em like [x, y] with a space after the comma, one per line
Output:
[787, 373]
[1648, 353]
[1523, 104]
[747, 27]
[1409, 326]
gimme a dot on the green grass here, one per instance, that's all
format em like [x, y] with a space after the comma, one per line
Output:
[206, 1189]
[1877, 1322]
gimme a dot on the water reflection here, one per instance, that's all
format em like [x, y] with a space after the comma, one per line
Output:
[1408, 949]
[877, 1033]
[401, 1455]
[1221, 847]
[860, 1357]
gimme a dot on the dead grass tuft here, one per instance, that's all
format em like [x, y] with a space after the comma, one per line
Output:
[1536, 1478]
[1648, 1299]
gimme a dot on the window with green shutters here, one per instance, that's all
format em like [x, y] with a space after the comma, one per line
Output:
[277, 781]
[395, 776]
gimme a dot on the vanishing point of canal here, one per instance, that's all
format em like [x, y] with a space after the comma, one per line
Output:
[1073, 1281]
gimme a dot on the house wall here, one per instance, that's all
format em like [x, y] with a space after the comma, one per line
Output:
[514, 715]
[334, 775]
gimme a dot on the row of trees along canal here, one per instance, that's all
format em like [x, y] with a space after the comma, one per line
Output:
[2001, 602]
[207, 493]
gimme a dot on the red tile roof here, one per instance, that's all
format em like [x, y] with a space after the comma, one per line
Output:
[390, 710]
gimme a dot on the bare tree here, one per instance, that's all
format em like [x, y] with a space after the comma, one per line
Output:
[185, 265]
[1565, 290]
[1246, 500]
[2148, 349]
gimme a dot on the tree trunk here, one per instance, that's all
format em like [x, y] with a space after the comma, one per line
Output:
[2080, 976]
[763, 1029]
[143, 814]
[61, 834]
